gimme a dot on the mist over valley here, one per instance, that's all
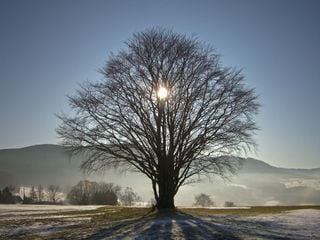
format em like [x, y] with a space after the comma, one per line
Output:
[256, 183]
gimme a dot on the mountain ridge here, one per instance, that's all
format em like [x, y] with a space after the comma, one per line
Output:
[242, 159]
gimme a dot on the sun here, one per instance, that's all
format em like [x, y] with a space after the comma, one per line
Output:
[162, 93]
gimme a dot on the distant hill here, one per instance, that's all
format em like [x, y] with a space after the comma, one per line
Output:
[51, 164]
[257, 183]
[251, 165]
[39, 164]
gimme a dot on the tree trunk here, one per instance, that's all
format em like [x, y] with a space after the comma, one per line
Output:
[166, 196]
[165, 180]
[166, 190]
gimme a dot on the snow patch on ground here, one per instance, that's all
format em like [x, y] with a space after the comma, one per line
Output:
[21, 208]
[19, 221]
[296, 224]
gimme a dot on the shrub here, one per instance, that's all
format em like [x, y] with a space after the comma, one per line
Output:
[229, 204]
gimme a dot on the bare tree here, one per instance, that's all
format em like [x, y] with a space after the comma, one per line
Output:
[109, 187]
[33, 194]
[166, 108]
[229, 204]
[53, 192]
[40, 193]
[83, 192]
[128, 197]
[203, 200]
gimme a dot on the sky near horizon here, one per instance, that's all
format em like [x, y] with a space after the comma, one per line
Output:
[48, 47]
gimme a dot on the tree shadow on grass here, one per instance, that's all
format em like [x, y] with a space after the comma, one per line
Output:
[196, 228]
[164, 226]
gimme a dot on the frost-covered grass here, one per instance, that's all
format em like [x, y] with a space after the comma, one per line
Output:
[109, 222]
[24, 209]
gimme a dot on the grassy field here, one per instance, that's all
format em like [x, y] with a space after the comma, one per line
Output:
[103, 222]
[245, 212]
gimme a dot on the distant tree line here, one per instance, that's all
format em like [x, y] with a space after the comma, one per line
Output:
[89, 192]
[37, 195]
[34, 196]
[83, 193]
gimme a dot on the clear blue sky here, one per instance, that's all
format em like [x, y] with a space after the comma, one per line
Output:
[48, 47]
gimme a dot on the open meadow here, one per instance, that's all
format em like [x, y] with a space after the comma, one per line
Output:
[109, 222]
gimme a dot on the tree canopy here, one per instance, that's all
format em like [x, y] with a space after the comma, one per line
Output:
[165, 107]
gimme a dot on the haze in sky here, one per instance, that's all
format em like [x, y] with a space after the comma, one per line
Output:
[48, 47]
